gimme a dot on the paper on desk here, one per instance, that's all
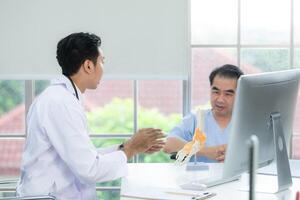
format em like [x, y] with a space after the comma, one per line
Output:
[159, 193]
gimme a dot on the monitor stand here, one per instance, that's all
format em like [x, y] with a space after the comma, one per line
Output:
[284, 178]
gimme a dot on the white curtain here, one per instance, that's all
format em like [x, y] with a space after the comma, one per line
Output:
[141, 39]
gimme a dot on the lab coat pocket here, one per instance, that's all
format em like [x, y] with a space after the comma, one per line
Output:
[36, 185]
[63, 176]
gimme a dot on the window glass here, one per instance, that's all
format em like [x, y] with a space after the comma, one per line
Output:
[296, 147]
[159, 157]
[102, 143]
[111, 195]
[160, 103]
[40, 86]
[110, 107]
[297, 116]
[297, 57]
[255, 60]
[7, 194]
[296, 131]
[297, 21]
[10, 157]
[214, 21]
[259, 27]
[12, 107]
[160, 106]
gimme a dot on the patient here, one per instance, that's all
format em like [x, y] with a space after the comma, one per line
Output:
[223, 84]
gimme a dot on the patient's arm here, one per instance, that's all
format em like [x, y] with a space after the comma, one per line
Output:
[173, 144]
[215, 153]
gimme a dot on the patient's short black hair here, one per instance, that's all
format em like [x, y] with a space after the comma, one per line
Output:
[227, 71]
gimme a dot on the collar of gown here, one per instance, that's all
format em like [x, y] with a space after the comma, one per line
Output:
[65, 81]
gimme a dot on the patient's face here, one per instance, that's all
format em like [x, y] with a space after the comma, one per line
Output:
[222, 94]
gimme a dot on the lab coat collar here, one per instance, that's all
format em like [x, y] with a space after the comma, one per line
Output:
[65, 81]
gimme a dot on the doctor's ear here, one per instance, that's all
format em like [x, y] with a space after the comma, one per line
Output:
[88, 66]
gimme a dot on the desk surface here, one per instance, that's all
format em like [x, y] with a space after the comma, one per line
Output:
[149, 177]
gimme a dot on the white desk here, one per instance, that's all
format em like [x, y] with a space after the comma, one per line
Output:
[166, 175]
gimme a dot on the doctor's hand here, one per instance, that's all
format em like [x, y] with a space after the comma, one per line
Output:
[216, 153]
[155, 148]
[147, 140]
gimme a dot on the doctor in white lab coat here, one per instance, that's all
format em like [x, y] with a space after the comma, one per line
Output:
[59, 158]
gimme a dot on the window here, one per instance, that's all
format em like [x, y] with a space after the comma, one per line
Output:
[296, 22]
[205, 22]
[254, 60]
[110, 107]
[110, 194]
[12, 107]
[265, 22]
[255, 35]
[297, 58]
[40, 86]
[159, 106]
[10, 157]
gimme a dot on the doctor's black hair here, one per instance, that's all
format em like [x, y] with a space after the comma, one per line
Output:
[226, 71]
[74, 49]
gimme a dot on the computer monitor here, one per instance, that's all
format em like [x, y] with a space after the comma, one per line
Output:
[264, 106]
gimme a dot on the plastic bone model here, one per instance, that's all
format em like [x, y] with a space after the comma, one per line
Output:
[198, 142]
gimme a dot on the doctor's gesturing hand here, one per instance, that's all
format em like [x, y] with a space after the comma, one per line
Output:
[147, 140]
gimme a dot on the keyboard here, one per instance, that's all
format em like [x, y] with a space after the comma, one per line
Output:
[202, 184]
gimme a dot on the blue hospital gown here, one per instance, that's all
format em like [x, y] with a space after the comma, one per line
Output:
[214, 134]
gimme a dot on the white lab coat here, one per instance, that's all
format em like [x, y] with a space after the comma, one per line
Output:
[58, 157]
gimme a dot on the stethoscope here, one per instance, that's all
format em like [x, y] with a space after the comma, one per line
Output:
[74, 87]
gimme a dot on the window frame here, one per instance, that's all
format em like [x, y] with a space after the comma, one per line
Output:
[186, 83]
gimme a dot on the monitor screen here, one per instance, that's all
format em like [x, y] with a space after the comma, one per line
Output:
[258, 96]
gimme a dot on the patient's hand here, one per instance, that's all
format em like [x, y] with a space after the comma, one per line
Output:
[216, 153]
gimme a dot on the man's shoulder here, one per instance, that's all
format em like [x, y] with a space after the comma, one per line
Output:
[207, 113]
[194, 115]
[54, 94]
[190, 116]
